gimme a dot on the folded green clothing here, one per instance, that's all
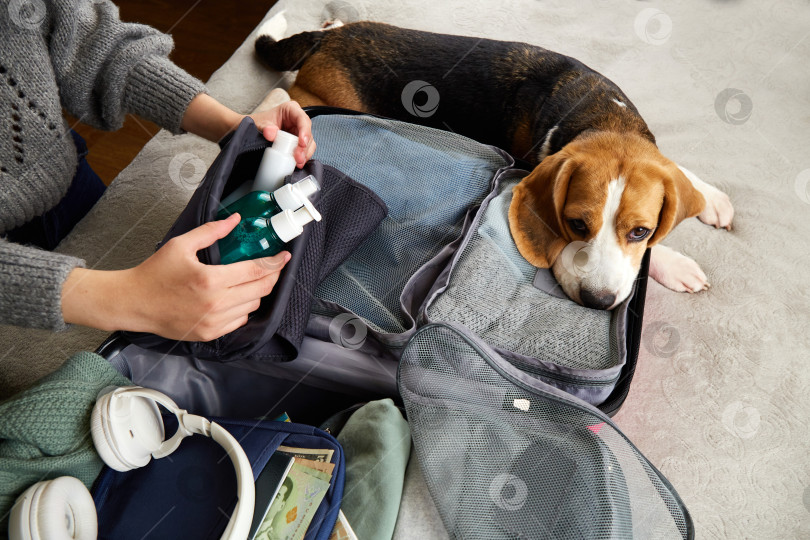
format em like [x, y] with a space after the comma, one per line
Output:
[45, 429]
[377, 443]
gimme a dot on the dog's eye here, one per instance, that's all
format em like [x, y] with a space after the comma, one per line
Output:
[578, 226]
[638, 234]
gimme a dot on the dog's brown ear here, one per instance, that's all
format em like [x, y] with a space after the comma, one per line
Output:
[535, 215]
[681, 201]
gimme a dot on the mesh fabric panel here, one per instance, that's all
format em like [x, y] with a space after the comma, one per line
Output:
[350, 214]
[491, 293]
[428, 178]
[506, 456]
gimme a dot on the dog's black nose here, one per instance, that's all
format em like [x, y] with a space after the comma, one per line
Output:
[597, 301]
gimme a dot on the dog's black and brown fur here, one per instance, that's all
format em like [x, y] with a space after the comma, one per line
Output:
[507, 94]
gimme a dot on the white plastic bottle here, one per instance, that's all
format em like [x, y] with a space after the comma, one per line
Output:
[277, 163]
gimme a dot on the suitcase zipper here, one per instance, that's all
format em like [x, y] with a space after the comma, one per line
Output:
[567, 378]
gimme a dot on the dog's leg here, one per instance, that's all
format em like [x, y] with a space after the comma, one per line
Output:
[676, 271]
[718, 211]
[304, 97]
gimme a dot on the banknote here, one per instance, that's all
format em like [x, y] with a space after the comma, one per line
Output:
[342, 530]
[315, 454]
[295, 504]
[327, 468]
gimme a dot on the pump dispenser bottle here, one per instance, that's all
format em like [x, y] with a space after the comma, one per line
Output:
[264, 204]
[264, 237]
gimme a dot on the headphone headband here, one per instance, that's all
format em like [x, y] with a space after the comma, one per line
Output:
[188, 424]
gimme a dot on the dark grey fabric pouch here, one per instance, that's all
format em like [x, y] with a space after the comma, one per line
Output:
[275, 331]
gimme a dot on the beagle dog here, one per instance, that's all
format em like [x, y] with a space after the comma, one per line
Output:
[600, 192]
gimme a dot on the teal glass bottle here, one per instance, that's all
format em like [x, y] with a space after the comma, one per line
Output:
[264, 237]
[252, 238]
[254, 204]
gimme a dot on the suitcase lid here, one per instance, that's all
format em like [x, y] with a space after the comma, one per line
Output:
[506, 455]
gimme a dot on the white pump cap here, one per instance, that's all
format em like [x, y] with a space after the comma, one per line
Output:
[293, 196]
[285, 142]
[289, 224]
[306, 214]
[307, 186]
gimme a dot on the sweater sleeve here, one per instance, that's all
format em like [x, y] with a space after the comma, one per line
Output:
[106, 68]
[31, 282]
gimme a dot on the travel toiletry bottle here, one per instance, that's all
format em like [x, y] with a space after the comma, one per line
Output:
[264, 237]
[277, 163]
[264, 204]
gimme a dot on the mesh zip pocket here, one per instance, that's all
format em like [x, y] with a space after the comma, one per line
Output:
[428, 179]
[508, 456]
[490, 291]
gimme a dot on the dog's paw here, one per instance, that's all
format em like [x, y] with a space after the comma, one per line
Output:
[718, 211]
[676, 271]
[329, 24]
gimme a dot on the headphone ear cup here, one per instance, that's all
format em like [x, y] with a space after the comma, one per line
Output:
[126, 430]
[102, 438]
[60, 509]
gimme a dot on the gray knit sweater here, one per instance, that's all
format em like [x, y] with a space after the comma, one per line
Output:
[75, 54]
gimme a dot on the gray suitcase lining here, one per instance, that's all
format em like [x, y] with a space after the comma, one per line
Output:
[446, 174]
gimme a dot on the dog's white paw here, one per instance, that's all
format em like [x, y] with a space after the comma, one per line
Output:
[718, 212]
[329, 24]
[676, 271]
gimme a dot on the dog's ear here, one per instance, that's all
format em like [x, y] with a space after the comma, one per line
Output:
[681, 201]
[535, 215]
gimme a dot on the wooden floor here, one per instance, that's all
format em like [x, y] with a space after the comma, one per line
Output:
[205, 32]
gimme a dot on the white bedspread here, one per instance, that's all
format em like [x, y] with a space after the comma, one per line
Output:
[721, 398]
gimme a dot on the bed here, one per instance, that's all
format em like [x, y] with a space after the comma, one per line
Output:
[721, 397]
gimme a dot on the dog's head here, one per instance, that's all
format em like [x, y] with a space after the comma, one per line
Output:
[590, 211]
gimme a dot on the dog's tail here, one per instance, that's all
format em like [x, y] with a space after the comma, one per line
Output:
[285, 54]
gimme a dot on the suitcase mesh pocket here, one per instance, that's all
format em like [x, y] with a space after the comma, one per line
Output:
[427, 177]
[506, 456]
[490, 292]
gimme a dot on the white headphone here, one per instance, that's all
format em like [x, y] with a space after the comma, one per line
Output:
[128, 432]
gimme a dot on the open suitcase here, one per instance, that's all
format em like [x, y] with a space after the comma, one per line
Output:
[508, 386]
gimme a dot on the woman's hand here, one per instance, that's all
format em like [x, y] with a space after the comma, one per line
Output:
[172, 293]
[210, 119]
[289, 117]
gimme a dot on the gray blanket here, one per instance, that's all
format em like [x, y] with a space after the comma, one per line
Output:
[720, 399]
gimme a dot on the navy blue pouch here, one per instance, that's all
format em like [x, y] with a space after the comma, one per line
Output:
[192, 492]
